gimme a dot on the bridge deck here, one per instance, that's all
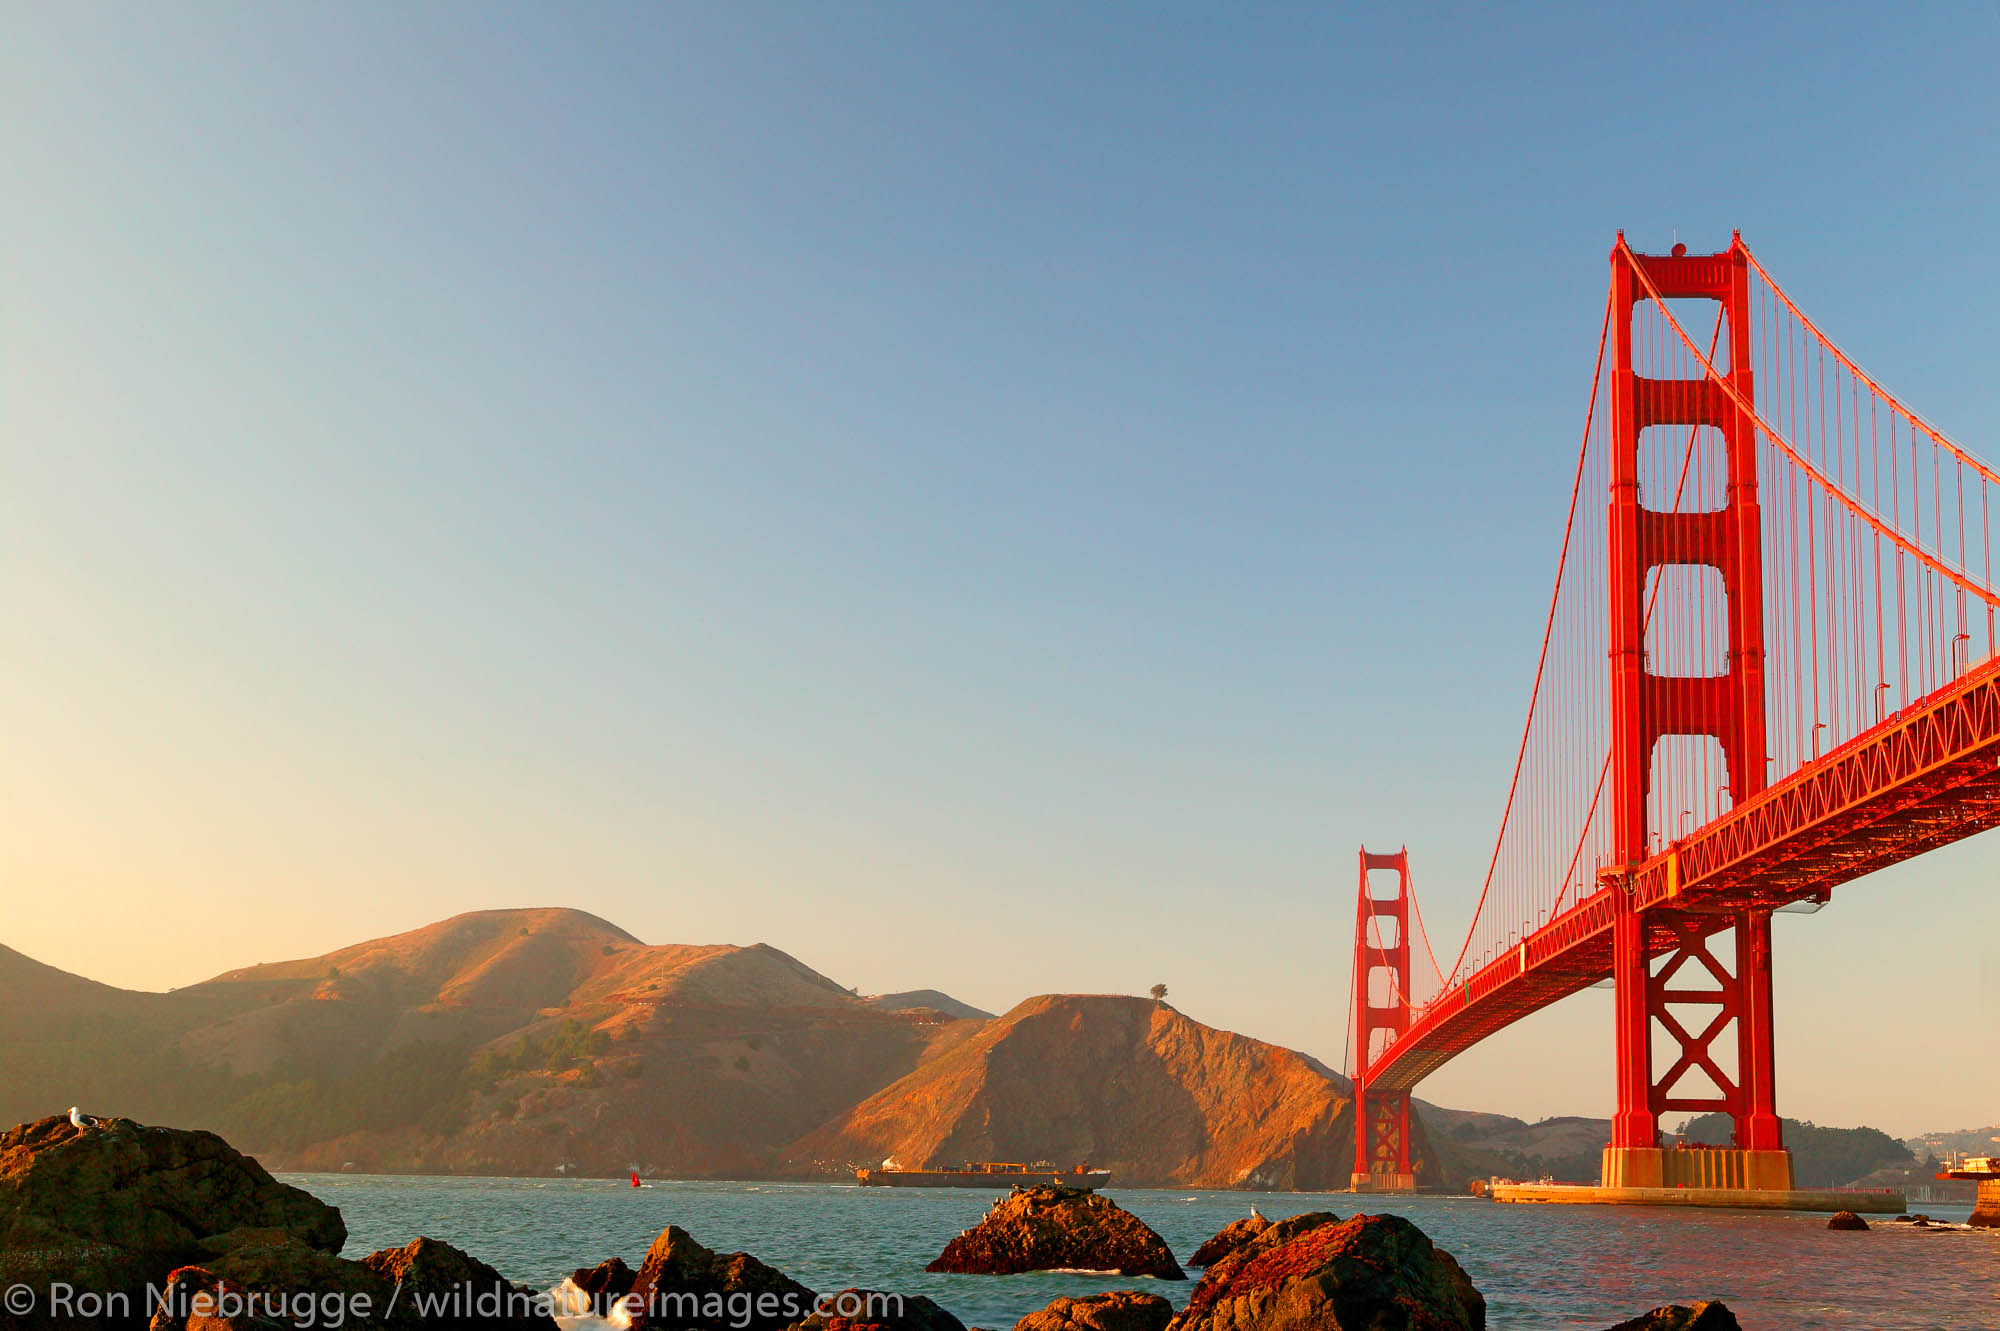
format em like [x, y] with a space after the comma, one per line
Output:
[1924, 777]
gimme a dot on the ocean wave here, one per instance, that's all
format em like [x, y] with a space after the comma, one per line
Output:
[570, 1307]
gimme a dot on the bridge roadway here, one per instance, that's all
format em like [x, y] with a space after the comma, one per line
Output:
[1921, 778]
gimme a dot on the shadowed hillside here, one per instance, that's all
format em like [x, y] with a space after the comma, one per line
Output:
[1476, 1145]
[1821, 1157]
[1569, 1149]
[927, 998]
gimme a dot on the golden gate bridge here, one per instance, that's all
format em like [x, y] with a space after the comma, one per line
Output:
[1768, 668]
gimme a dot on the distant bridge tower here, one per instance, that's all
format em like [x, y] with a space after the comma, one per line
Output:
[1382, 1157]
[1647, 707]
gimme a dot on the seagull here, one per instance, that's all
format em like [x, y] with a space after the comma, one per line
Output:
[1256, 1214]
[79, 1119]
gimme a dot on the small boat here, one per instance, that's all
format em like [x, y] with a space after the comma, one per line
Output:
[985, 1174]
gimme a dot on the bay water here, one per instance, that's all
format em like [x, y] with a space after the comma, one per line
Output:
[1538, 1266]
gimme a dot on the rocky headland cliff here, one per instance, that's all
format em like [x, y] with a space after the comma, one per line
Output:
[1128, 1084]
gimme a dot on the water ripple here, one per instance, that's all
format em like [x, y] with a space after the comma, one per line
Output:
[1539, 1267]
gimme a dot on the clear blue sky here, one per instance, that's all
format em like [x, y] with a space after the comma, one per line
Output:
[1003, 498]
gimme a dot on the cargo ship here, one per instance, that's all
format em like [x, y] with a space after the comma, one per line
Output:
[984, 1175]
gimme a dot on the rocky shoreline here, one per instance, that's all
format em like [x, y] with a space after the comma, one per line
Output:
[118, 1226]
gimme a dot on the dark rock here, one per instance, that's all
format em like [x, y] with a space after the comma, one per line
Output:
[116, 1207]
[463, 1292]
[1705, 1316]
[1120, 1310]
[441, 1287]
[195, 1299]
[605, 1283]
[1052, 1228]
[872, 1310]
[1228, 1239]
[1846, 1220]
[683, 1286]
[1316, 1271]
[272, 1262]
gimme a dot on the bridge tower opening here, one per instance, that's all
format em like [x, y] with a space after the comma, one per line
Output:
[1383, 1158]
[1725, 704]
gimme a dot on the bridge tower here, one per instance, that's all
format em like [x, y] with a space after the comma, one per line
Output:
[1382, 1147]
[1647, 707]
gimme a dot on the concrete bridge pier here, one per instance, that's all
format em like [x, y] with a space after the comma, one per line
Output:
[1651, 1167]
[1386, 1181]
[1986, 1207]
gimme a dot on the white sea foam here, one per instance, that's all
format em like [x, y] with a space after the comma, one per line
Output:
[570, 1307]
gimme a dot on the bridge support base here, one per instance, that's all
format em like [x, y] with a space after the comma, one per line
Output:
[1768, 1170]
[1731, 1199]
[1633, 1167]
[1650, 1167]
[1390, 1182]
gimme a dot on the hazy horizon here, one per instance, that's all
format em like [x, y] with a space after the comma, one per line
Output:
[1002, 500]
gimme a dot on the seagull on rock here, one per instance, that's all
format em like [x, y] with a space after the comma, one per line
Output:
[79, 1119]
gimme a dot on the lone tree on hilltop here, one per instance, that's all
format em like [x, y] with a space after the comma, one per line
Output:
[1159, 992]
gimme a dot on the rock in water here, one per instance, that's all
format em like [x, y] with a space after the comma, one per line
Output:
[463, 1293]
[1846, 1220]
[1120, 1310]
[1228, 1239]
[1054, 1228]
[872, 1310]
[116, 1207]
[605, 1283]
[1705, 1316]
[683, 1286]
[1316, 1271]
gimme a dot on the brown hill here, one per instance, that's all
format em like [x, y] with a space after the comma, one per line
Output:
[516, 1041]
[533, 1041]
[1126, 1083]
[27, 985]
[934, 999]
[473, 977]
[509, 958]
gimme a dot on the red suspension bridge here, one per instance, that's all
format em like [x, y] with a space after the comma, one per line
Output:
[1768, 669]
